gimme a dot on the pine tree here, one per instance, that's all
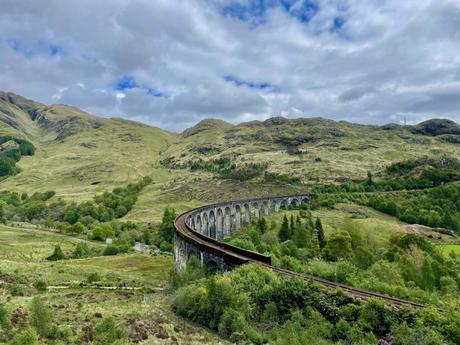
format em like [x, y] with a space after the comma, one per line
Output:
[320, 233]
[292, 224]
[314, 243]
[262, 223]
[301, 237]
[285, 231]
[298, 222]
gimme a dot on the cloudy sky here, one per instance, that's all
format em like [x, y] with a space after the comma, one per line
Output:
[171, 63]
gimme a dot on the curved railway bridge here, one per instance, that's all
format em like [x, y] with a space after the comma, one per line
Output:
[198, 232]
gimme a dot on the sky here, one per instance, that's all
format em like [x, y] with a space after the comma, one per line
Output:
[172, 63]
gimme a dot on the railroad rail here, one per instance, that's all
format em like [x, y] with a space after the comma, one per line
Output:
[199, 240]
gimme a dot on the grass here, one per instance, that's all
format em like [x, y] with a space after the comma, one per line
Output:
[23, 253]
[450, 248]
[374, 225]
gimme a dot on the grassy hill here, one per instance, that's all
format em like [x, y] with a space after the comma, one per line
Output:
[79, 154]
[312, 149]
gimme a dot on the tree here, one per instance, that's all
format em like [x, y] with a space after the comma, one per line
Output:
[41, 317]
[301, 237]
[338, 246]
[57, 254]
[369, 178]
[77, 228]
[262, 224]
[285, 231]
[7, 166]
[102, 232]
[320, 233]
[167, 226]
[292, 224]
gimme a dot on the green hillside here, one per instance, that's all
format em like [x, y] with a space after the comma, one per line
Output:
[314, 149]
[78, 154]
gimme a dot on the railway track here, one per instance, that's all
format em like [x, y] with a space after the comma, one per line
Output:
[183, 230]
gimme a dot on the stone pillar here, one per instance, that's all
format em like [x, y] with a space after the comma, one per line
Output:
[248, 214]
[238, 220]
[277, 205]
[267, 208]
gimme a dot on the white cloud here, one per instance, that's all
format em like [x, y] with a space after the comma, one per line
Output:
[380, 61]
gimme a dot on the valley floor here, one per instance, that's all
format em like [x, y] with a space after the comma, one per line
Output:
[132, 288]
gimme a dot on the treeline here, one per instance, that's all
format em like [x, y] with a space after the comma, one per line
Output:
[97, 218]
[11, 151]
[436, 207]
[253, 305]
[428, 199]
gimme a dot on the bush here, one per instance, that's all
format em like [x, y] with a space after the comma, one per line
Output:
[41, 317]
[93, 277]
[27, 337]
[102, 231]
[77, 228]
[107, 332]
[5, 320]
[41, 285]
[58, 254]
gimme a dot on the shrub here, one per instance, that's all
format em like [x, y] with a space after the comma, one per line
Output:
[93, 277]
[102, 231]
[5, 320]
[107, 332]
[58, 254]
[77, 228]
[40, 285]
[41, 317]
[27, 337]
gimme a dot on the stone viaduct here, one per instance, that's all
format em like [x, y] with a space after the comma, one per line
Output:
[199, 231]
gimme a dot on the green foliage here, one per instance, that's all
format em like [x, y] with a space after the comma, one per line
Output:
[26, 337]
[102, 231]
[262, 225]
[77, 228]
[164, 237]
[285, 232]
[108, 332]
[226, 169]
[5, 319]
[41, 285]
[320, 233]
[58, 254]
[116, 248]
[338, 246]
[41, 317]
[12, 154]
[7, 166]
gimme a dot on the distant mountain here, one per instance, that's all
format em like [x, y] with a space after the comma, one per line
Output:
[311, 149]
[77, 153]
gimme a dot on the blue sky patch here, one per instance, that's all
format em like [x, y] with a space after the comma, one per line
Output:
[337, 24]
[250, 84]
[55, 49]
[254, 11]
[128, 82]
